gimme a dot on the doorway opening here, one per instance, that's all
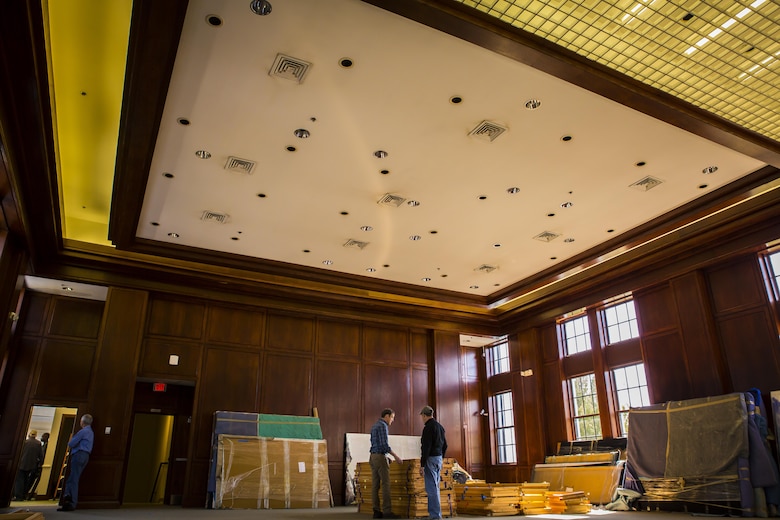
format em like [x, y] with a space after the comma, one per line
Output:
[147, 463]
[53, 426]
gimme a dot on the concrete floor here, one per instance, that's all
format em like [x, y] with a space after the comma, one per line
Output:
[49, 511]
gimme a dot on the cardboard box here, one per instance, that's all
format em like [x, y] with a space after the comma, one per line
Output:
[268, 473]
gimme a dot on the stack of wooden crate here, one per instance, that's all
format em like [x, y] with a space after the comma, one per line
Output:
[476, 497]
[573, 502]
[534, 500]
[407, 489]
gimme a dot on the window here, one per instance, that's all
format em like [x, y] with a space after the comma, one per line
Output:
[774, 268]
[576, 335]
[630, 385]
[498, 358]
[504, 427]
[585, 407]
[620, 321]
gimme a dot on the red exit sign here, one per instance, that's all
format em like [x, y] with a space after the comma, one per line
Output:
[159, 387]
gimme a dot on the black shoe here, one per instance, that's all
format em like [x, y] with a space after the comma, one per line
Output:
[66, 507]
[378, 513]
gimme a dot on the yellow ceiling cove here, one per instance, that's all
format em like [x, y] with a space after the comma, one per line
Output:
[87, 46]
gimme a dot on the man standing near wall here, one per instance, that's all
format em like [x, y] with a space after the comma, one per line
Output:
[80, 447]
[31, 457]
[380, 468]
[434, 448]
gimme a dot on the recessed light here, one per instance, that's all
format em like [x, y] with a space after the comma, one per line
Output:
[413, 203]
[482, 197]
[344, 213]
[366, 228]
[384, 172]
[567, 204]
[67, 288]
[566, 138]
[533, 104]
[291, 148]
[433, 232]
[261, 7]
[301, 133]
[173, 235]
[496, 245]
[415, 237]
[183, 121]
[709, 169]
[371, 269]
[155, 223]
[346, 62]
[261, 195]
[203, 154]
[553, 258]
[233, 238]
[551, 214]
[426, 279]
[213, 20]
[568, 240]
[703, 186]
[610, 231]
[513, 190]
[641, 163]
[380, 154]
[307, 250]
[327, 262]
[456, 100]
[168, 175]
[473, 286]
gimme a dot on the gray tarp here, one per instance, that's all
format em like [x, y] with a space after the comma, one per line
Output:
[692, 438]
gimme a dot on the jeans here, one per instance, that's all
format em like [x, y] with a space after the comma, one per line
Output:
[432, 473]
[78, 461]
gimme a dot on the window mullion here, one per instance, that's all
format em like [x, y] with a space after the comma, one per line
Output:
[598, 342]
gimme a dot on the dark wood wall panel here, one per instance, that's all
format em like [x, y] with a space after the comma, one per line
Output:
[290, 388]
[531, 437]
[235, 326]
[554, 404]
[666, 368]
[736, 285]
[750, 342]
[421, 379]
[387, 387]
[382, 344]
[76, 318]
[34, 312]
[419, 348]
[449, 390]
[337, 390]
[699, 336]
[101, 481]
[195, 484]
[156, 357]
[657, 309]
[176, 318]
[338, 338]
[65, 370]
[229, 381]
[291, 333]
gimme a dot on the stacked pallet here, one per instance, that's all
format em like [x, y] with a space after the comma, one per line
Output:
[407, 489]
[533, 498]
[574, 502]
[476, 497]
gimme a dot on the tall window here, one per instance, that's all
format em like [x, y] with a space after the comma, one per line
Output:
[630, 385]
[585, 407]
[498, 358]
[620, 321]
[504, 427]
[774, 267]
[576, 335]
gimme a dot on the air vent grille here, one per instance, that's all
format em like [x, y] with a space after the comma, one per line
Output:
[388, 199]
[546, 236]
[234, 164]
[485, 268]
[215, 216]
[648, 183]
[488, 131]
[290, 68]
[355, 244]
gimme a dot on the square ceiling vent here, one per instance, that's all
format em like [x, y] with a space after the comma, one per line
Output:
[546, 236]
[290, 68]
[646, 184]
[488, 131]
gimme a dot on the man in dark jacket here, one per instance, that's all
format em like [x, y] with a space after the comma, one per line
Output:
[434, 449]
[32, 455]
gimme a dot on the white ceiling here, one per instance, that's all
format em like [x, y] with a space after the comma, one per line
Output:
[396, 97]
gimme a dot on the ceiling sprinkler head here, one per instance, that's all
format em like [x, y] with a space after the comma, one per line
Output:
[260, 7]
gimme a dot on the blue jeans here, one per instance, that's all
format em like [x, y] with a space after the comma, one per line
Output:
[78, 461]
[432, 474]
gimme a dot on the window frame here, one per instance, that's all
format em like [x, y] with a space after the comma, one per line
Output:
[577, 419]
[501, 430]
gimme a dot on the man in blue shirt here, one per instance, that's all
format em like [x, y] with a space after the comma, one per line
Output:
[380, 468]
[80, 447]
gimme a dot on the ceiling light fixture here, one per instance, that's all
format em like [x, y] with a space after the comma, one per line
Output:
[513, 190]
[415, 237]
[473, 286]
[413, 203]
[366, 228]
[371, 270]
[261, 7]
[301, 133]
[709, 169]
[203, 154]
[568, 240]
[327, 262]
[173, 235]
[533, 104]
[567, 204]
[426, 279]
[380, 154]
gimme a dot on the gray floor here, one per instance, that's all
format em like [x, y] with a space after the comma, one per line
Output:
[49, 510]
